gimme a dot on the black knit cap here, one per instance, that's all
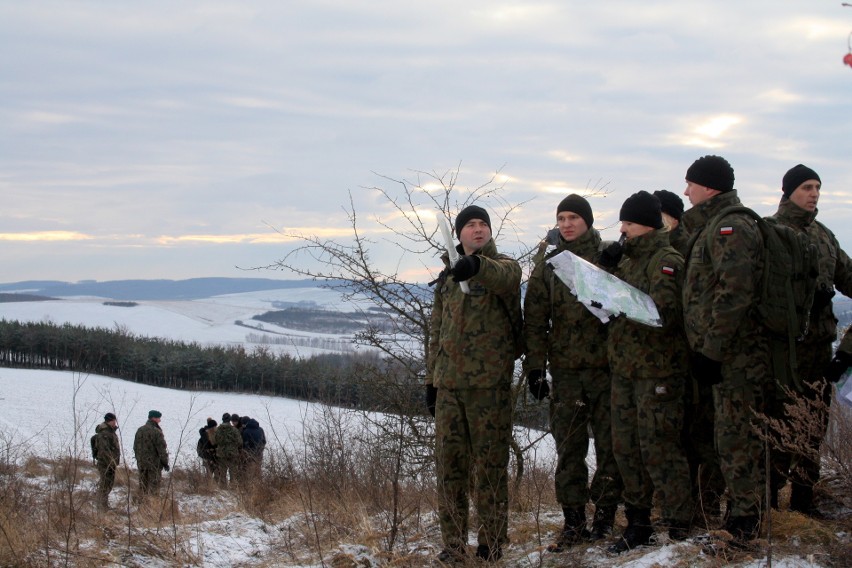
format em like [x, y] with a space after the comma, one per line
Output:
[211, 423]
[226, 417]
[670, 203]
[712, 171]
[796, 176]
[642, 208]
[235, 418]
[576, 204]
[109, 417]
[468, 213]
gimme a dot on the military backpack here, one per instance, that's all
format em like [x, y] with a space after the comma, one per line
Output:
[787, 286]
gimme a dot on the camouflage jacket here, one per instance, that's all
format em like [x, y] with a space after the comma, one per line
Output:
[471, 338]
[835, 267]
[109, 450]
[228, 441]
[722, 284]
[679, 239]
[640, 351]
[558, 329]
[149, 447]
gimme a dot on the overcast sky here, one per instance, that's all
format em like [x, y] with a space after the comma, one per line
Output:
[172, 139]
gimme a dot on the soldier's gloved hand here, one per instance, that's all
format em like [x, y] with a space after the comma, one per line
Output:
[166, 467]
[431, 399]
[822, 297]
[839, 363]
[466, 267]
[611, 255]
[538, 384]
[706, 371]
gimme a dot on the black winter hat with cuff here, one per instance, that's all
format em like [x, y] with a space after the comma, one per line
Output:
[468, 213]
[642, 208]
[577, 204]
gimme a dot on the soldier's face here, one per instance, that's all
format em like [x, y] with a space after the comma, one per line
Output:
[474, 235]
[633, 230]
[698, 193]
[571, 226]
[806, 195]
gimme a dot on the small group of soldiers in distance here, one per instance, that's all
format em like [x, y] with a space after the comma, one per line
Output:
[231, 452]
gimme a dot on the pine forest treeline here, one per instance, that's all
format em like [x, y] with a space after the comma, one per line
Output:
[333, 378]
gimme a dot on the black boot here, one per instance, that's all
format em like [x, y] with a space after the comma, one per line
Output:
[638, 532]
[574, 530]
[453, 555]
[744, 528]
[678, 530]
[484, 552]
[602, 523]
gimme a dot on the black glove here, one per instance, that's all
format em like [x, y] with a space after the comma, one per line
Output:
[822, 297]
[431, 399]
[466, 267]
[538, 384]
[705, 370]
[166, 467]
[611, 255]
[839, 363]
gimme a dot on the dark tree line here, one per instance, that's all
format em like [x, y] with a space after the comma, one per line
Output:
[334, 378]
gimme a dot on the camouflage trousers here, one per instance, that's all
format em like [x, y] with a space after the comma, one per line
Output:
[740, 394]
[473, 431]
[149, 480]
[802, 468]
[647, 420]
[705, 475]
[579, 400]
[105, 482]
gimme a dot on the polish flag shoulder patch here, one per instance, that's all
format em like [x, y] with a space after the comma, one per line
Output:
[668, 270]
[727, 230]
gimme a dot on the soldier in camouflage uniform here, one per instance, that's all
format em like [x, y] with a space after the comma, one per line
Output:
[469, 372]
[801, 188]
[152, 456]
[650, 368]
[229, 442]
[704, 473]
[559, 330]
[729, 349]
[109, 456]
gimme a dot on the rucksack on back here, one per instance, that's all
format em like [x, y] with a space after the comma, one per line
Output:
[787, 286]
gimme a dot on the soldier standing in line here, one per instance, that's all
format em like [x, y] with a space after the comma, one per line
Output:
[729, 348]
[108, 457]
[152, 456]
[562, 332]
[801, 187]
[708, 486]
[228, 443]
[650, 367]
[468, 386]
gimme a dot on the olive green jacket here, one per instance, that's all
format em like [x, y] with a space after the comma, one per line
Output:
[558, 329]
[637, 350]
[109, 449]
[149, 447]
[722, 284]
[471, 340]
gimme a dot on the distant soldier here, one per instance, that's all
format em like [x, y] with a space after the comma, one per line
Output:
[671, 206]
[254, 442]
[469, 376]
[842, 359]
[563, 334]
[108, 457]
[650, 367]
[206, 447]
[152, 456]
[728, 343]
[228, 444]
[801, 188]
